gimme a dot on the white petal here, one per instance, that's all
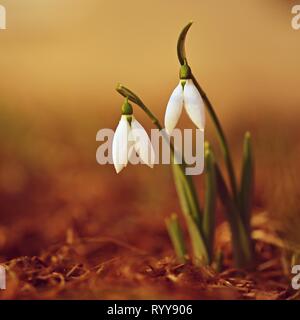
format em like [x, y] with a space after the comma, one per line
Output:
[120, 145]
[142, 143]
[131, 150]
[174, 109]
[194, 104]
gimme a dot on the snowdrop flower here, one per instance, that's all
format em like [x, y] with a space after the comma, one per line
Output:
[130, 137]
[185, 95]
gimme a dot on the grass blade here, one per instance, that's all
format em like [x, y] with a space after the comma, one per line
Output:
[242, 244]
[208, 222]
[176, 236]
[191, 215]
[247, 181]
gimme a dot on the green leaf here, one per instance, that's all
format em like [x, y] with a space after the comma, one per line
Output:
[200, 254]
[181, 44]
[176, 236]
[208, 222]
[241, 240]
[190, 209]
[183, 199]
[186, 193]
[247, 181]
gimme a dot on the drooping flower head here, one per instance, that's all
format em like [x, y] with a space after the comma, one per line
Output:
[130, 137]
[185, 95]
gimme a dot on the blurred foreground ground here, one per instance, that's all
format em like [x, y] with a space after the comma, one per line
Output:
[75, 229]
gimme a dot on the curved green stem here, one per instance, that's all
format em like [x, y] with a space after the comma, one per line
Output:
[125, 92]
[222, 138]
[240, 233]
[181, 43]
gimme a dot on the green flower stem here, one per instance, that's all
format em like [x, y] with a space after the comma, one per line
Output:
[125, 92]
[176, 236]
[181, 44]
[184, 186]
[222, 138]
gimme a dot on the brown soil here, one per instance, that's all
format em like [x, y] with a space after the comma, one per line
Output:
[105, 268]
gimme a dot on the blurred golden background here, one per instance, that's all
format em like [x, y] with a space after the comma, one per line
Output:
[60, 62]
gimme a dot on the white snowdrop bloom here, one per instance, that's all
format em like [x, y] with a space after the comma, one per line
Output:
[129, 137]
[185, 95]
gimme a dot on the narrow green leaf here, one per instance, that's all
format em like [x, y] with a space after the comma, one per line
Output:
[247, 182]
[181, 43]
[210, 200]
[200, 254]
[191, 214]
[176, 236]
[242, 244]
[188, 197]
[183, 200]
